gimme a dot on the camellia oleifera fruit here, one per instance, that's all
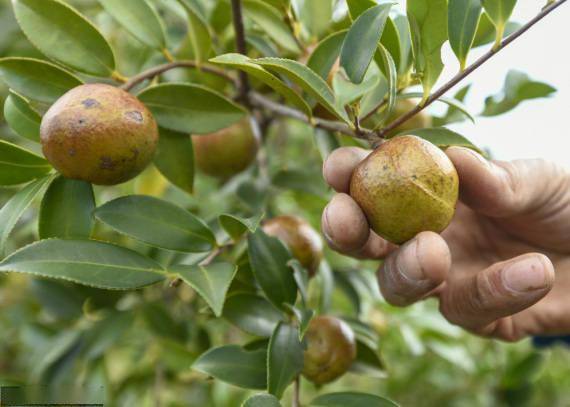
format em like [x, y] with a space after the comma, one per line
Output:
[298, 235]
[330, 351]
[419, 121]
[227, 152]
[406, 186]
[100, 134]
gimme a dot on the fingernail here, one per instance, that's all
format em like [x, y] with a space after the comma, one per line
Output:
[408, 263]
[526, 275]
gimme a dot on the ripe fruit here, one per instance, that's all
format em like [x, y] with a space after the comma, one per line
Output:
[227, 152]
[100, 134]
[299, 236]
[331, 349]
[403, 106]
[406, 186]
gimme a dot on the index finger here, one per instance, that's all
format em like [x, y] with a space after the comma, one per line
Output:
[339, 166]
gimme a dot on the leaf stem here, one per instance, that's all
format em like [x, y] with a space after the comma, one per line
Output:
[116, 75]
[462, 75]
[296, 393]
[241, 47]
[169, 57]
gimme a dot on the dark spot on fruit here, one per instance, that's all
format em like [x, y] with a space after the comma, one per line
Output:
[414, 177]
[135, 115]
[90, 103]
[107, 163]
[71, 152]
[81, 121]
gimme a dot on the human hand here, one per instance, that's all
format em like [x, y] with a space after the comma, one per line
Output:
[493, 268]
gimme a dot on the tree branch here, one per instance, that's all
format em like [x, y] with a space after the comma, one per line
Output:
[462, 75]
[157, 70]
[241, 47]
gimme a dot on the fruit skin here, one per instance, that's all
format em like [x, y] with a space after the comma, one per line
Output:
[331, 349]
[406, 186]
[100, 134]
[227, 152]
[403, 106]
[299, 236]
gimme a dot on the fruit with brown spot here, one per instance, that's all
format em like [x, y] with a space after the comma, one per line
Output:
[298, 235]
[331, 349]
[100, 134]
[406, 186]
[227, 152]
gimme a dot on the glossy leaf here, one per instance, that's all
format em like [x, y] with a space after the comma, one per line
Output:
[158, 223]
[21, 118]
[190, 108]
[351, 399]
[270, 21]
[284, 359]
[211, 282]
[67, 210]
[453, 114]
[451, 102]
[237, 226]
[253, 314]
[299, 180]
[403, 27]
[62, 34]
[198, 33]
[499, 12]
[368, 362]
[486, 31]
[326, 54]
[463, 18]
[16, 206]
[234, 365]
[362, 41]
[86, 262]
[243, 63]
[428, 24]
[392, 78]
[174, 159]
[308, 80]
[18, 165]
[262, 400]
[140, 19]
[36, 79]
[316, 16]
[443, 138]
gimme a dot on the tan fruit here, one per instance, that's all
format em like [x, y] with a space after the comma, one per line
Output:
[299, 236]
[227, 152]
[100, 134]
[331, 349]
[406, 186]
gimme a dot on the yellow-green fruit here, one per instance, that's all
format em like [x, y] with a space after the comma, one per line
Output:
[100, 134]
[298, 235]
[406, 186]
[419, 121]
[331, 349]
[227, 152]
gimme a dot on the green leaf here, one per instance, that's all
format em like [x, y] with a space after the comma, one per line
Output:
[362, 41]
[316, 16]
[67, 210]
[403, 27]
[308, 80]
[211, 282]
[36, 79]
[351, 399]
[499, 12]
[262, 400]
[62, 34]
[18, 166]
[368, 362]
[284, 359]
[140, 19]
[299, 180]
[190, 108]
[428, 24]
[392, 78]
[304, 317]
[236, 226]
[158, 223]
[16, 206]
[174, 159]
[486, 31]
[463, 18]
[269, 19]
[453, 114]
[451, 102]
[444, 138]
[234, 365]
[245, 64]
[252, 314]
[86, 262]
[198, 33]
[21, 118]
[105, 333]
[517, 89]
[326, 53]
[301, 279]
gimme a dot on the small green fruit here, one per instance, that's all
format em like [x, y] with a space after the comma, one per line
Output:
[227, 152]
[406, 186]
[331, 349]
[403, 106]
[100, 134]
[299, 236]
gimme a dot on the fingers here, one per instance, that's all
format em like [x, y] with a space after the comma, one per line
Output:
[415, 270]
[339, 166]
[481, 301]
[502, 189]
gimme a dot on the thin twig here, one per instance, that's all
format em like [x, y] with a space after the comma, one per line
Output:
[296, 393]
[157, 70]
[462, 75]
[206, 262]
[241, 47]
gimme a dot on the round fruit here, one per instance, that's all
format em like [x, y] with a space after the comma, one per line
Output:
[406, 186]
[403, 106]
[299, 236]
[331, 349]
[227, 152]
